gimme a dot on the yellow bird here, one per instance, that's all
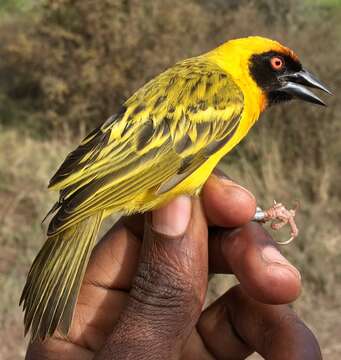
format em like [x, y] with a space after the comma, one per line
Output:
[165, 140]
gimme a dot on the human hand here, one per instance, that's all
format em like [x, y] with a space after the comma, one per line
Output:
[144, 299]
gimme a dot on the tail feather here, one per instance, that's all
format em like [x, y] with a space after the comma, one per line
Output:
[44, 314]
[53, 283]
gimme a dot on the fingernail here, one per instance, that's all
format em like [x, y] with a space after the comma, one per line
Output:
[173, 218]
[272, 256]
[226, 180]
[220, 174]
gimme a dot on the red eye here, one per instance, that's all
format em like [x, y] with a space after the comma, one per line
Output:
[277, 63]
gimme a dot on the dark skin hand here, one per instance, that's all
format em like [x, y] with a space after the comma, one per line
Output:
[144, 299]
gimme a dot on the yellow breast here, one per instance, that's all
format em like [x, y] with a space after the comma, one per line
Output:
[232, 57]
[254, 104]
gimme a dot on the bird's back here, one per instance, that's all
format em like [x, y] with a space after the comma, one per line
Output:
[142, 156]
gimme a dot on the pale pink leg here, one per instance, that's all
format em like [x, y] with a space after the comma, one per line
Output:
[284, 216]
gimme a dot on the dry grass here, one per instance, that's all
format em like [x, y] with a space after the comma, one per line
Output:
[27, 164]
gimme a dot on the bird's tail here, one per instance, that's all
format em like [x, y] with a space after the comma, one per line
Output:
[54, 280]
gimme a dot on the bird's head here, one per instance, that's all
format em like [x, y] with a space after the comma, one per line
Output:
[274, 68]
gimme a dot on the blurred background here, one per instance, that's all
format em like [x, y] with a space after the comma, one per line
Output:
[66, 65]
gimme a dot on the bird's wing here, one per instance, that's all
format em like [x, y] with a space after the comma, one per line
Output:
[165, 131]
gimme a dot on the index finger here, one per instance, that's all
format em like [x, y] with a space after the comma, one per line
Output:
[226, 203]
[237, 325]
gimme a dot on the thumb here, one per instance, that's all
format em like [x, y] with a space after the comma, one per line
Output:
[169, 288]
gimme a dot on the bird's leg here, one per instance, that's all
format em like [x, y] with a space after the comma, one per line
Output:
[283, 216]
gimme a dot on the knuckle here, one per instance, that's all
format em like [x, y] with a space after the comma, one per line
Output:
[162, 287]
[161, 302]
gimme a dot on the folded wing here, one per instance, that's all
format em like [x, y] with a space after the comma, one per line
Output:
[164, 132]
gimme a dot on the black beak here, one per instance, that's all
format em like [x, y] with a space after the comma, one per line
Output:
[293, 84]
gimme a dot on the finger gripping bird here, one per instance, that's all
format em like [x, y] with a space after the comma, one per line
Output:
[164, 141]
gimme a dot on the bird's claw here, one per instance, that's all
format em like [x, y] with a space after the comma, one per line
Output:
[280, 216]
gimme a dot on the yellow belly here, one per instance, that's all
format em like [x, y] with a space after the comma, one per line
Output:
[192, 184]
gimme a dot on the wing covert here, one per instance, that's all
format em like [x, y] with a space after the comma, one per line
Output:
[164, 132]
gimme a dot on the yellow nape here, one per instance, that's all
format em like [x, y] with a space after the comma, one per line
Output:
[234, 56]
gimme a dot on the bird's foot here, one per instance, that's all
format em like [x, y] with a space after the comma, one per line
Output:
[280, 216]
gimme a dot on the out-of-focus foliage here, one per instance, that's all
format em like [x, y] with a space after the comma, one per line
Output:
[11, 6]
[68, 62]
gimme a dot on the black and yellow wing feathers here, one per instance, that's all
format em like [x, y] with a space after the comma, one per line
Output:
[164, 132]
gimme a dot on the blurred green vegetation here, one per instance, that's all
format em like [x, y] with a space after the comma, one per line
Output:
[11, 7]
[329, 3]
[66, 65]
